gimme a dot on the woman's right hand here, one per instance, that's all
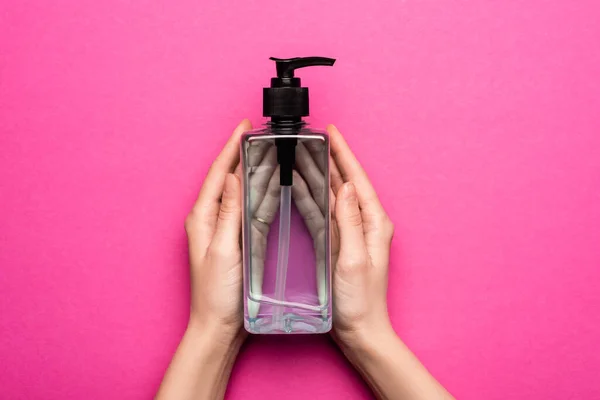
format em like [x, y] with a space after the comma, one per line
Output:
[361, 323]
[361, 235]
[365, 231]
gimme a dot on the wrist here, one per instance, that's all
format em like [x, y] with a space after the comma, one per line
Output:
[221, 337]
[361, 343]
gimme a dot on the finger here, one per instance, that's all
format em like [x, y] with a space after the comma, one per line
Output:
[268, 208]
[335, 236]
[315, 222]
[212, 187]
[307, 207]
[353, 253]
[257, 150]
[318, 151]
[320, 254]
[257, 268]
[258, 250]
[238, 171]
[262, 218]
[260, 177]
[336, 180]
[372, 211]
[202, 221]
[229, 225]
[311, 174]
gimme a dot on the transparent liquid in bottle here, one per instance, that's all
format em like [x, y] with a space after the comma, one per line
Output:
[287, 275]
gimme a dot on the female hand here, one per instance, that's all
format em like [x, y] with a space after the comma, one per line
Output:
[361, 323]
[203, 361]
[213, 228]
[365, 232]
[360, 237]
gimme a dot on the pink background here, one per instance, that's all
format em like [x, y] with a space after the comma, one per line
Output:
[478, 122]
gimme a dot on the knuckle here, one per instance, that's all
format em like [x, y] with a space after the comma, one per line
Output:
[217, 252]
[318, 191]
[351, 264]
[228, 211]
[314, 215]
[258, 190]
[269, 215]
[262, 230]
[382, 224]
[274, 189]
[190, 221]
[388, 228]
[258, 253]
[354, 218]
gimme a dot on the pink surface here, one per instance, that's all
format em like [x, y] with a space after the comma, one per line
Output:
[478, 121]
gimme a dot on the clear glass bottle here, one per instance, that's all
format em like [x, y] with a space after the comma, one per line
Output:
[286, 215]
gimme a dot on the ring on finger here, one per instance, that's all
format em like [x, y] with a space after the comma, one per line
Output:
[262, 221]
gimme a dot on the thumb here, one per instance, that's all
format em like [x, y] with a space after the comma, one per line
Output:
[230, 214]
[353, 251]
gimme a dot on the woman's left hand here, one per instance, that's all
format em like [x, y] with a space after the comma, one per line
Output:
[203, 361]
[213, 230]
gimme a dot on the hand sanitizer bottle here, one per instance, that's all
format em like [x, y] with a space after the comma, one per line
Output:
[286, 215]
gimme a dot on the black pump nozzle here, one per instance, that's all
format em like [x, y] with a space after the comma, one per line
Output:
[286, 102]
[287, 66]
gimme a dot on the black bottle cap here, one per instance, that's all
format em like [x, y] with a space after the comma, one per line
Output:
[286, 98]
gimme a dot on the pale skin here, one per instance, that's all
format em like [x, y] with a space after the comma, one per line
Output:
[361, 239]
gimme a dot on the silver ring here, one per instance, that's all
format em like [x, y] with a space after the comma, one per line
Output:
[259, 219]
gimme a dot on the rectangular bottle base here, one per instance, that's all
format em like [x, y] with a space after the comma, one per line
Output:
[289, 323]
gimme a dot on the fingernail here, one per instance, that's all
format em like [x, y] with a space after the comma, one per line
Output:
[230, 181]
[227, 185]
[238, 172]
[245, 122]
[350, 191]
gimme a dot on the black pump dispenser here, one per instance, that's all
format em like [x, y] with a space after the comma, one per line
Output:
[286, 102]
[286, 98]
